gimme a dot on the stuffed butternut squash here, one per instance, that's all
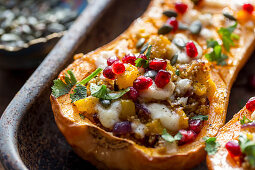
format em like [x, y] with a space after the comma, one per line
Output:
[148, 98]
[235, 142]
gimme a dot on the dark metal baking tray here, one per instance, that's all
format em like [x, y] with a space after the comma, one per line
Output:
[29, 137]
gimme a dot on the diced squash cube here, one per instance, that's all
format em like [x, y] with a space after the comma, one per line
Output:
[87, 105]
[211, 89]
[127, 109]
[127, 78]
[184, 120]
[155, 127]
[243, 16]
[200, 89]
[159, 46]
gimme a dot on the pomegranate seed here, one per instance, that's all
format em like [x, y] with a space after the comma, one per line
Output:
[250, 105]
[195, 125]
[133, 93]
[173, 21]
[187, 136]
[129, 59]
[162, 78]
[111, 60]
[122, 128]
[233, 148]
[251, 81]
[248, 7]
[143, 56]
[108, 73]
[118, 67]
[142, 83]
[181, 7]
[191, 49]
[157, 64]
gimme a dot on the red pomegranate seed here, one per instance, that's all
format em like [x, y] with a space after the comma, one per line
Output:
[233, 148]
[122, 128]
[181, 7]
[187, 136]
[129, 59]
[118, 67]
[108, 73]
[250, 105]
[143, 56]
[133, 93]
[142, 83]
[173, 21]
[191, 49]
[248, 7]
[111, 60]
[158, 64]
[162, 78]
[195, 125]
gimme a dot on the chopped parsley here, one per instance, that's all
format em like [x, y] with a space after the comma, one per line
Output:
[177, 72]
[60, 87]
[148, 54]
[228, 36]
[245, 120]
[91, 76]
[200, 117]
[82, 116]
[102, 92]
[142, 63]
[216, 54]
[80, 92]
[170, 138]
[248, 148]
[211, 146]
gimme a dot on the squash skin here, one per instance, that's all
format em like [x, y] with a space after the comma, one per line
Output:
[104, 150]
[229, 132]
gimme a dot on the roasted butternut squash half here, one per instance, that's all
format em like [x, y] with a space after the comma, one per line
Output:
[235, 142]
[147, 99]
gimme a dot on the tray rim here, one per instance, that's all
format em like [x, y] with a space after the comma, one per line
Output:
[47, 71]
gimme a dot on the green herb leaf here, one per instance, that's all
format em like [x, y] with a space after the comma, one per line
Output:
[169, 138]
[141, 63]
[148, 54]
[177, 72]
[102, 92]
[211, 146]
[200, 117]
[178, 136]
[61, 88]
[245, 120]
[227, 37]
[98, 91]
[80, 92]
[211, 43]
[91, 76]
[248, 148]
[116, 95]
[82, 116]
[216, 54]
